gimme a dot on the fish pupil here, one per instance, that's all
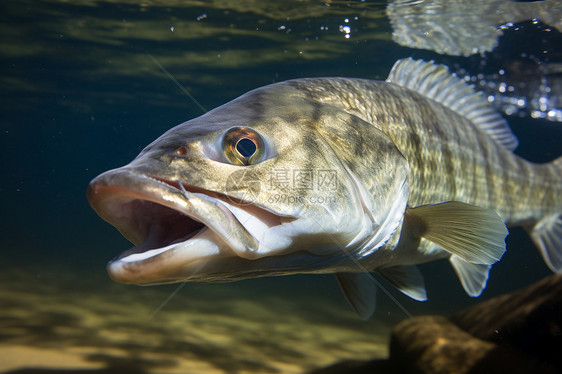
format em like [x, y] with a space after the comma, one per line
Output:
[246, 147]
[181, 151]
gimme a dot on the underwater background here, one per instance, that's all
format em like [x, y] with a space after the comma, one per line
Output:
[82, 91]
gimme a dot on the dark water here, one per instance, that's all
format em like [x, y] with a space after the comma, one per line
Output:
[80, 95]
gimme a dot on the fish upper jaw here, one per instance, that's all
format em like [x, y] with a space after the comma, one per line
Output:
[177, 229]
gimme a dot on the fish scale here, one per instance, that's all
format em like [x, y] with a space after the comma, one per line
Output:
[449, 157]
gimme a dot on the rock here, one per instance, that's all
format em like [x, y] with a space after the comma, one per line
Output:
[433, 344]
[520, 332]
[529, 320]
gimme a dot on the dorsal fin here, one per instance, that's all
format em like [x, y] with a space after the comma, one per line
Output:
[436, 82]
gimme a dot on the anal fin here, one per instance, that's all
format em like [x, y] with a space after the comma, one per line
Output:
[473, 277]
[360, 291]
[407, 279]
[547, 235]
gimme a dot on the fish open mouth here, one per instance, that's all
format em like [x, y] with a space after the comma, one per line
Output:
[171, 224]
[161, 226]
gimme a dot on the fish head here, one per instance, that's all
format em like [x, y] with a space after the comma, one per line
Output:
[263, 185]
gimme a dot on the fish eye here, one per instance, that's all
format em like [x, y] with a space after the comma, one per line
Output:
[243, 146]
[246, 147]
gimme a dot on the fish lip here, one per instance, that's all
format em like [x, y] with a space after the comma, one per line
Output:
[118, 184]
[113, 194]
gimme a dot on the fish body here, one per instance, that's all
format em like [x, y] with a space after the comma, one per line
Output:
[332, 175]
[449, 157]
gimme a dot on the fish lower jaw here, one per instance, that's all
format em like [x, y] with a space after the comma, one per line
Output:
[172, 263]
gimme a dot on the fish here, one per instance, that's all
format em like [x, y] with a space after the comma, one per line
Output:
[442, 26]
[333, 175]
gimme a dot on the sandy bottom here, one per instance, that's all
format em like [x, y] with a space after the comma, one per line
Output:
[73, 321]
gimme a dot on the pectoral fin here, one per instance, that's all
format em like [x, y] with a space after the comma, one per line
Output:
[475, 234]
[547, 235]
[473, 277]
[360, 291]
[406, 278]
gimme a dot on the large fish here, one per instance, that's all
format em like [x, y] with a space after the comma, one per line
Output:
[333, 175]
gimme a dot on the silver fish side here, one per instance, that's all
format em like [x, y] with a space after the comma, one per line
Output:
[448, 157]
